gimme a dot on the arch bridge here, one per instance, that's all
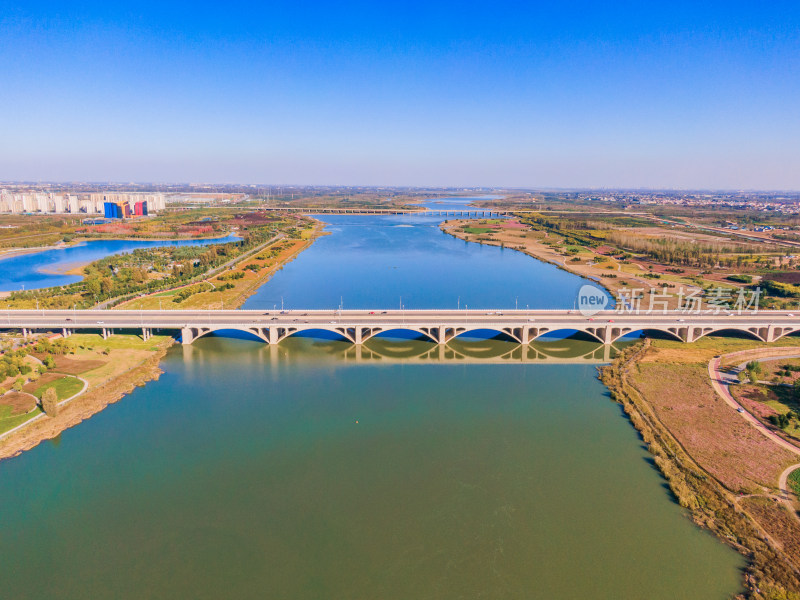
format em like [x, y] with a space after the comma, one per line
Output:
[438, 326]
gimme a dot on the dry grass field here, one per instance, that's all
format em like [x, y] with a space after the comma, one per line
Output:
[714, 435]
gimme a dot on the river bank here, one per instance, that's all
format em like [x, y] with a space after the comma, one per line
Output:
[112, 368]
[617, 278]
[723, 471]
[231, 287]
[135, 362]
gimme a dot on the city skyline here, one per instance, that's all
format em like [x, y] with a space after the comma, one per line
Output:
[438, 95]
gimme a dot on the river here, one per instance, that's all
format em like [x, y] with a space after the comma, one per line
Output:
[314, 469]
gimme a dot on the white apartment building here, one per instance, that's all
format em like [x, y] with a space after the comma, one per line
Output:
[54, 203]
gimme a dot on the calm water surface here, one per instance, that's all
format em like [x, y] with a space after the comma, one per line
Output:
[45, 269]
[379, 262]
[316, 469]
[289, 472]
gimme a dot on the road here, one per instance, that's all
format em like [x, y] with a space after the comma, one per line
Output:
[505, 318]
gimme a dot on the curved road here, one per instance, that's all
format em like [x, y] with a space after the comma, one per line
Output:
[720, 382]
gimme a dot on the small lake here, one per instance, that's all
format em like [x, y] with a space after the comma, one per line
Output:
[46, 268]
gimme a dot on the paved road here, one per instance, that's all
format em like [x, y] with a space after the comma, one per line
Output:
[507, 318]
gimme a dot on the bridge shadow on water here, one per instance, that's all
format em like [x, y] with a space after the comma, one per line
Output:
[400, 346]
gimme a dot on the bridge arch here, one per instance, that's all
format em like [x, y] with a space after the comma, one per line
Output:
[754, 333]
[672, 333]
[595, 334]
[508, 333]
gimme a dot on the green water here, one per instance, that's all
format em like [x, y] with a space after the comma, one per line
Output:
[306, 471]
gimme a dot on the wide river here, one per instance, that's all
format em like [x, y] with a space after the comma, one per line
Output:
[314, 469]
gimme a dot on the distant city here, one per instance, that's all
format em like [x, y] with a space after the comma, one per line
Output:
[110, 205]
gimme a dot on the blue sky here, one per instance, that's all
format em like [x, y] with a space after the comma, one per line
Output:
[626, 94]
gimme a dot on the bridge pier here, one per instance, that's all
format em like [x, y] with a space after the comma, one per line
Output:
[146, 334]
[186, 335]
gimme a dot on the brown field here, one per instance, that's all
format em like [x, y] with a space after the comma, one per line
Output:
[19, 403]
[778, 523]
[76, 366]
[792, 277]
[716, 437]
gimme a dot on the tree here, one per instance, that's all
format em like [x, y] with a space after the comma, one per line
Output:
[106, 285]
[93, 287]
[49, 362]
[50, 402]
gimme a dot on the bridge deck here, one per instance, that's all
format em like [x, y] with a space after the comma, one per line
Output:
[438, 325]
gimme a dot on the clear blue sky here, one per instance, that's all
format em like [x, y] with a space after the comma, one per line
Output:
[625, 94]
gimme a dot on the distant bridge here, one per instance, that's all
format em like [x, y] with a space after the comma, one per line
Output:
[438, 326]
[470, 213]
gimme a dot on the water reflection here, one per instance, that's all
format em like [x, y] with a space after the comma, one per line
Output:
[392, 351]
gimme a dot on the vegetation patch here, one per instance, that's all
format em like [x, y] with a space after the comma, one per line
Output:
[65, 387]
[794, 481]
[16, 403]
[9, 420]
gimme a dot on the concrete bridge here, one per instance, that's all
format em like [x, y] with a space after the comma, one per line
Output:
[438, 326]
[470, 213]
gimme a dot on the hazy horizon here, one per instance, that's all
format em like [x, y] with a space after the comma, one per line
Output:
[681, 97]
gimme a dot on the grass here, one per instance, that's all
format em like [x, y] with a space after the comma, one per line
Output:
[794, 481]
[125, 352]
[477, 230]
[8, 420]
[65, 387]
